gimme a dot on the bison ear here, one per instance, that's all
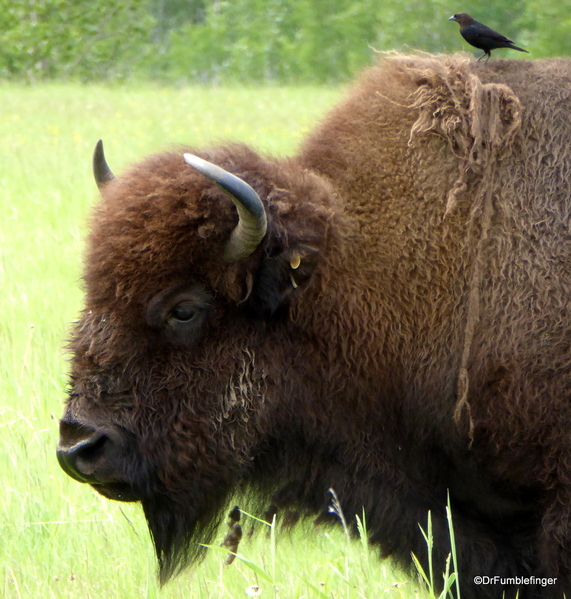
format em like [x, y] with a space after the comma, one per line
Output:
[279, 278]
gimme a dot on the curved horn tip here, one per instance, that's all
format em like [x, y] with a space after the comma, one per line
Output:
[101, 171]
[201, 165]
[252, 224]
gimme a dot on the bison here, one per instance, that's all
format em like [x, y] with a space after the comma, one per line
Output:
[385, 313]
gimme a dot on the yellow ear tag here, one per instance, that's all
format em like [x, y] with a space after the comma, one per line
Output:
[295, 261]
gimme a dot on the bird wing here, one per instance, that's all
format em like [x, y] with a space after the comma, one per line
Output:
[480, 30]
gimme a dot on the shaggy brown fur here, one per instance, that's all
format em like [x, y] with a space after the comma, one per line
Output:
[423, 349]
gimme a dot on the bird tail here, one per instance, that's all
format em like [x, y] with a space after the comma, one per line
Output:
[520, 49]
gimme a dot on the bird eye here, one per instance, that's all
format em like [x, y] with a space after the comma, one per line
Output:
[184, 312]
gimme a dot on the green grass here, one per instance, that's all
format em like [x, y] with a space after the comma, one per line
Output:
[58, 538]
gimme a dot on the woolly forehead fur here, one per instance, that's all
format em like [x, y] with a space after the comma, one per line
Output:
[161, 222]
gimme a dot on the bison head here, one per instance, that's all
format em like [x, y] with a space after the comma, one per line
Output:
[187, 348]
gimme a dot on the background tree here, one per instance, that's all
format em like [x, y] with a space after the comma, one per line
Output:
[83, 39]
[245, 41]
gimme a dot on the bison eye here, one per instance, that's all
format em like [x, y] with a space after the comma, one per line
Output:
[184, 312]
[179, 313]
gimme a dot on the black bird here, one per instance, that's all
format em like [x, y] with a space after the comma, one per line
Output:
[482, 37]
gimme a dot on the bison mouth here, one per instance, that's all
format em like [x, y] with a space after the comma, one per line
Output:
[117, 491]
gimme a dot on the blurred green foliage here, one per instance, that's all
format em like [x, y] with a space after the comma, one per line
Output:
[250, 40]
[83, 39]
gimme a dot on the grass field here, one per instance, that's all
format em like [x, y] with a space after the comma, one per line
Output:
[58, 538]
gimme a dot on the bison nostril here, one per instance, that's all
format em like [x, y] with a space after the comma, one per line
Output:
[88, 451]
[80, 458]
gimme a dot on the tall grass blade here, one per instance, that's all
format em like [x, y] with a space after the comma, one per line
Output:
[429, 540]
[335, 508]
[366, 564]
[273, 553]
[316, 590]
[422, 573]
[453, 546]
[248, 563]
[260, 520]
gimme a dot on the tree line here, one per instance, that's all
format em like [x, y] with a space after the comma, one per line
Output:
[248, 41]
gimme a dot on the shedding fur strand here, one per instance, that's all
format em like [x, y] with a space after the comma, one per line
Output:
[480, 122]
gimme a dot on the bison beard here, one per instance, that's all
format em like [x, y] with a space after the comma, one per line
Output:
[175, 525]
[385, 314]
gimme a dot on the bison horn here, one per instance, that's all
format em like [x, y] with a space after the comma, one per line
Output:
[101, 170]
[252, 226]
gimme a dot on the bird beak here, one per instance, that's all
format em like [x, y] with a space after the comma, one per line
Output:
[452, 18]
